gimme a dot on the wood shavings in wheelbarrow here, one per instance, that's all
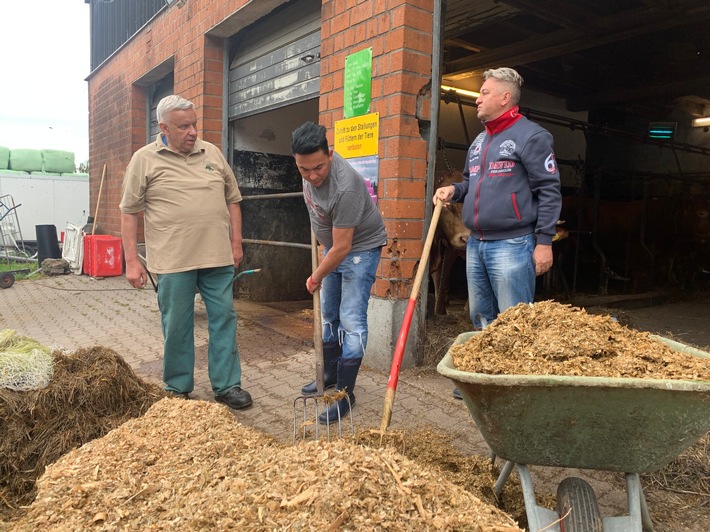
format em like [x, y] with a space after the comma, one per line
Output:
[549, 338]
[190, 465]
[92, 391]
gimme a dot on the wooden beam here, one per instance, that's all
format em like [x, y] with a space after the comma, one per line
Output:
[458, 43]
[666, 91]
[562, 42]
[559, 13]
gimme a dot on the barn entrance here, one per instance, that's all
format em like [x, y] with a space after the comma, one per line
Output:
[621, 88]
[273, 88]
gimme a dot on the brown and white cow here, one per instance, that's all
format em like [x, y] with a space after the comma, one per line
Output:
[651, 244]
[449, 242]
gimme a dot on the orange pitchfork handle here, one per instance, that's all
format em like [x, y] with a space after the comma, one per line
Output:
[406, 323]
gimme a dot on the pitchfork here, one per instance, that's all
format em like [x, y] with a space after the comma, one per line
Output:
[305, 405]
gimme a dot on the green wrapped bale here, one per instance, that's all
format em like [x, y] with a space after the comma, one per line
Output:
[4, 158]
[26, 160]
[58, 161]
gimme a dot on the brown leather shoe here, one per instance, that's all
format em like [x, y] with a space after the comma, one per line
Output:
[235, 398]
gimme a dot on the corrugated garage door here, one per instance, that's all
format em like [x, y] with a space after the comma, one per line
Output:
[277, 61]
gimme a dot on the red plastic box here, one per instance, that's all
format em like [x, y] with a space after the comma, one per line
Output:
[103, 256]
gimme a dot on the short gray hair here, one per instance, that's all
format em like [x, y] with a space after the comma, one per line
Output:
[172, 103]
[509, 76]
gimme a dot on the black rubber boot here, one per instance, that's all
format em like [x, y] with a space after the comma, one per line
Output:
[347, 375]
[331, 355]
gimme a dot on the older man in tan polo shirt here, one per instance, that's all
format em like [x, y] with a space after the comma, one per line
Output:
[190, 201]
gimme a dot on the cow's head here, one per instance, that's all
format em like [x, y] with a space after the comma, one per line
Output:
[451, 225]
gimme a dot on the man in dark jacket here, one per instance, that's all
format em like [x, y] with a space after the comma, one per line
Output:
[511, 201]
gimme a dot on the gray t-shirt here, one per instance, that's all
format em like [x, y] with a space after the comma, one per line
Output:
[343, 201]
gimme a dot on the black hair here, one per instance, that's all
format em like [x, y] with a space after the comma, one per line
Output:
[309, 138]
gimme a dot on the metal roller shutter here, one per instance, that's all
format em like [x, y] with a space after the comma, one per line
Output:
[277, 61]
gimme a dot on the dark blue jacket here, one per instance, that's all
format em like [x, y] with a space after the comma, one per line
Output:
[511, 184]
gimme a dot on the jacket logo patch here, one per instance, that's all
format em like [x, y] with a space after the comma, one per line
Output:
[477, 148]
[500, 168]
[507, 148]
[551, 163]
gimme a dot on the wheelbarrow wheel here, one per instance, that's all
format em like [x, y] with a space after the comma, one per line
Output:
[7, 280]
[577, 506]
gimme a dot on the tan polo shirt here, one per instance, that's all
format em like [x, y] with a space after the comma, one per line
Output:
[184, 200]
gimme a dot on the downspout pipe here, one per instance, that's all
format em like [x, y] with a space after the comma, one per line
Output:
[436, 61]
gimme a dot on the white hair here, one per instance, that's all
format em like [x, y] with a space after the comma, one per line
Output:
[172, 103]
[509, 76]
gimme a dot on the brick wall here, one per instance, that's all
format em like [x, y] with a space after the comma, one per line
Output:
[117, 99]
[400, 34]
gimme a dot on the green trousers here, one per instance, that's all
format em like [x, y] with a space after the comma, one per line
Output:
[176, 299]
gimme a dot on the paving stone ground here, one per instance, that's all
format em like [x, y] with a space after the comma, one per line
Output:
[275, 343]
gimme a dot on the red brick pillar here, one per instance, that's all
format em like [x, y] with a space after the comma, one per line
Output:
[400, 34]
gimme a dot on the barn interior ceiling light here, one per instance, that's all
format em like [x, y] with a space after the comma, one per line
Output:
[662, 130]
[701, 122]
[462, 92]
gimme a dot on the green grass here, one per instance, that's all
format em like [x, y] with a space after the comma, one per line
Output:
[6, 266]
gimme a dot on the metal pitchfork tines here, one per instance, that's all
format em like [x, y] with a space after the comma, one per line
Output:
[305, 405]
[306, 410]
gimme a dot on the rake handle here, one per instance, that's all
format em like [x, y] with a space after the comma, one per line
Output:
[98, 201]
[407, 321]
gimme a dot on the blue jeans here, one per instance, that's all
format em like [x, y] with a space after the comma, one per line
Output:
[344, 295]
[176, 298]
[500, 275]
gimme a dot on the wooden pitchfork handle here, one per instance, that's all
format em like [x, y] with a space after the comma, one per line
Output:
[317, 323]
[406, 323]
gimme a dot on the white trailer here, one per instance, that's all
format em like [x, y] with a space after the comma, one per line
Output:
[47, 200]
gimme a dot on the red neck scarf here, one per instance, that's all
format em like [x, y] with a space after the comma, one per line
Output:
[504, 121]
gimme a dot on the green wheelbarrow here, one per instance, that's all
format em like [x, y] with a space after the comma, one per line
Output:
[613, 424]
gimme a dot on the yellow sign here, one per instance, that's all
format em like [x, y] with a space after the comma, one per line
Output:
[358, 136]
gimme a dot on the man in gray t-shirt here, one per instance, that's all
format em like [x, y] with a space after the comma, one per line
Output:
[350, 227]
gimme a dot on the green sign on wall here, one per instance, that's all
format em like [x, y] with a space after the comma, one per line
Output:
[358, 83]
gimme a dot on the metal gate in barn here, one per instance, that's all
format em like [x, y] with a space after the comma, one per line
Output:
[274, 87]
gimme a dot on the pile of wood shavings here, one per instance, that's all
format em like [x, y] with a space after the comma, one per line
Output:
[93, 390]
[549, 338]
[189, 465]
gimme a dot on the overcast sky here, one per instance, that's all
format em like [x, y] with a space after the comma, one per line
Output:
[44, 61]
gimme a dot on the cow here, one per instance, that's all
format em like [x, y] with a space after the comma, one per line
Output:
[694, 241]
[643, 244]
[448, 244]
